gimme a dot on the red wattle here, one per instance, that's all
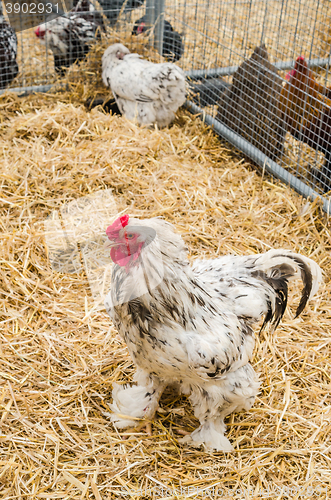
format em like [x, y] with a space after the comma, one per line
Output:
[122, 255]
[289, 74]
[119, 256]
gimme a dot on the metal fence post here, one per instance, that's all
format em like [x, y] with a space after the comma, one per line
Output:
[159, 27]
[150, 12]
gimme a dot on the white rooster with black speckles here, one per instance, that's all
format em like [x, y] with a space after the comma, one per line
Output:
[192, 324]
[8, 52]
[70, 36]
[145, 92]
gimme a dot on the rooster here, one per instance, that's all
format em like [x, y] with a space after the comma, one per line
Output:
[193, 324]
[306, 105]
[172, 47]
[145, 92]
[8, 52]
[70, 36]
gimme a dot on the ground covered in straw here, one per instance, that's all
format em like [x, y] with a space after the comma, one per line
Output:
[59, 356]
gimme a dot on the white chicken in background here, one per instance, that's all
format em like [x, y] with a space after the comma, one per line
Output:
[193, 327]
[69, 37]
[8, 52]
[145, 92]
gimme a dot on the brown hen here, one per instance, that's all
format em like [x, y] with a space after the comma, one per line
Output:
[306, 105]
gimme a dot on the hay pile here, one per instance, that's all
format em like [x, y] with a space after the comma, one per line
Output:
[59, 356]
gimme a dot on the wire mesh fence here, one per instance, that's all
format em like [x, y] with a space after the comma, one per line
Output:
[258, 69]
[261, 68]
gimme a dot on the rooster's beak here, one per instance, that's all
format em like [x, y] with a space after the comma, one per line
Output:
[111, 244]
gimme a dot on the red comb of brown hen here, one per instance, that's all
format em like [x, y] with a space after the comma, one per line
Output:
[301, 59]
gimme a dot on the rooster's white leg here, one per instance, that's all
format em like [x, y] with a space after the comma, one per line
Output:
[212, 402]
[136, 402]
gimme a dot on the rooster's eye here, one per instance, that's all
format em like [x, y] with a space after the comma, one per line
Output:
[130, 236]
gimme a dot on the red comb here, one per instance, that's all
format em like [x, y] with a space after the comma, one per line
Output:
[40, 33]
[140, 28]
[117, 225]
[301, 61]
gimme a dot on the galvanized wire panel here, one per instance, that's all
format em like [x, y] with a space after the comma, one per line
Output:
[224, 33]
[289, 121]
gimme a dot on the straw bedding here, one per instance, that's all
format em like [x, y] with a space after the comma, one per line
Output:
[59, 355]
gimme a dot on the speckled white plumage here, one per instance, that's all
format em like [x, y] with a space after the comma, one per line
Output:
[145, 92]
[70, 36]
[8, 52]
[195, 326]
